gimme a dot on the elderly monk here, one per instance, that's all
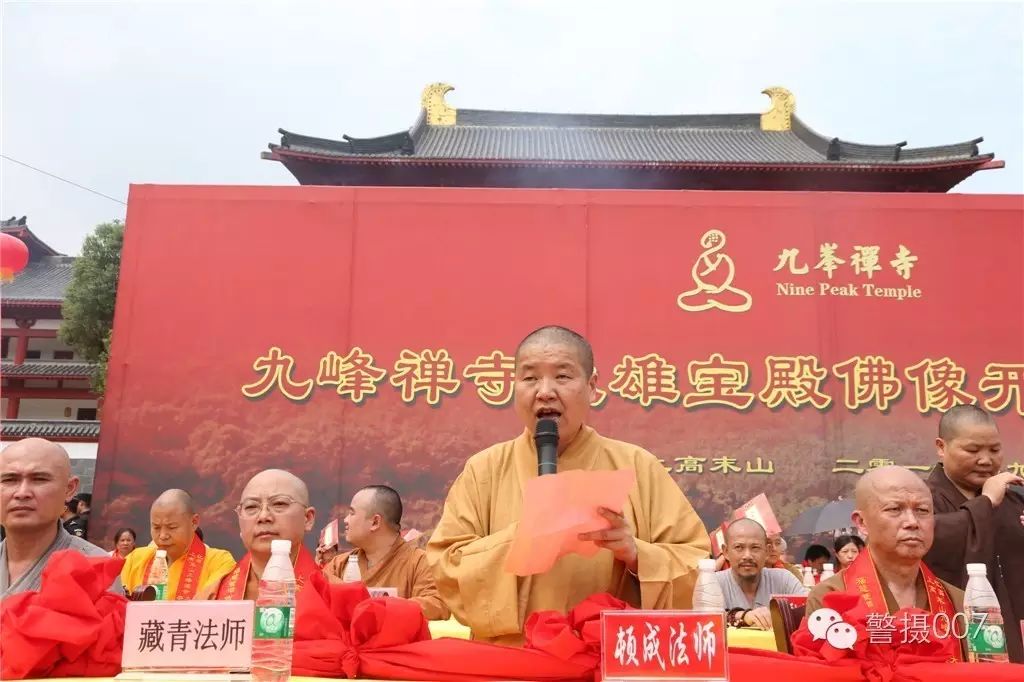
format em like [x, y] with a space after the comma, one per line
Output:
[173, 520]
[274, 506]
[373, 526]
[776, 551]
[652, 548]
[35, 482]
[894, 512]
[978, 519]
[747, 584]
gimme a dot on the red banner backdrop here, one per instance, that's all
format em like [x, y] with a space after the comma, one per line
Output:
[755, 342]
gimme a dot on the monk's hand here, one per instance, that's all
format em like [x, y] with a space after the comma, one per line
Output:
[995, 487]
[760, 618]
[618, 538]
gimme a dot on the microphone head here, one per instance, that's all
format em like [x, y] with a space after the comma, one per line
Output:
[546, 431]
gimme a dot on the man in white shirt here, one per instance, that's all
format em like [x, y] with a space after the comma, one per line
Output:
[747, 585]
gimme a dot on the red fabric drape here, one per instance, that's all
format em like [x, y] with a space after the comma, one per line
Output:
[73, 627]
[340, 632]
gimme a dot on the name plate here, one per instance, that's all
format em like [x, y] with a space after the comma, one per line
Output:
[188, 635]
[382, 591]
[663, 645]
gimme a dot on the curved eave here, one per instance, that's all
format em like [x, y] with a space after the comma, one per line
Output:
[34, 243]
[981, 162]
[32, 303]
[77, 376]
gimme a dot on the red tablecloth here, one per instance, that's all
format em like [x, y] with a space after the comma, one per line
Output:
[70, 628]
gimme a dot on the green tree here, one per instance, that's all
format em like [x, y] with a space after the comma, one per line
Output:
[89, 301]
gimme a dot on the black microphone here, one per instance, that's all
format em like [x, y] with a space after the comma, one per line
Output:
[546, 438]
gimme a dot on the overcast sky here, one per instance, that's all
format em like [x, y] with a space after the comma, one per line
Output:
[107, 94]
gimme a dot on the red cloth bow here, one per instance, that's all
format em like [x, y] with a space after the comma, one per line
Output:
[340, 631]
[334, 621]
[71, 627]
[575, 637]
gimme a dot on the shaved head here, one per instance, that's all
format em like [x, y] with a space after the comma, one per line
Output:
[554, 334]
[280, 501]
[175, 498]
[957, 417]
[172, 522]
[874, 483]
[41, 451]
[746, 548]
[281, 481]
[894, 510]
[745, 526]
[35, 485]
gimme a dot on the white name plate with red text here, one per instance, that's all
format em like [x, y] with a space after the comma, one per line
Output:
[663, 645]
[188, 636]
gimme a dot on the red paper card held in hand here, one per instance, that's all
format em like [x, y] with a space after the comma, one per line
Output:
[557, 508]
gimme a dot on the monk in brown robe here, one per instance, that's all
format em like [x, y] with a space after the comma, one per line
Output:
[652, 547]
[978, 519]
[274, 506]
[373, 526]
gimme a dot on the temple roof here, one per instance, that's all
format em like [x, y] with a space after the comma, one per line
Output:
[47, 369]
[777, 138]
[43, 281]
[45, 278]
[52, 429]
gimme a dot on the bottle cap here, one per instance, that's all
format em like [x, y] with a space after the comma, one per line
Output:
[977, 569]
[280, 546]
[162, 553]
[706, 565]
[829, 567]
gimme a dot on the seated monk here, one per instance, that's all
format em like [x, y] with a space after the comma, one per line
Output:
[373, 526]
[894, 511]
[274, 506]
[35, 484]
[776, 549]
[650, 550]
[191, 564]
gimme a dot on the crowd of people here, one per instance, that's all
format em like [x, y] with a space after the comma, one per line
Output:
[920, 534]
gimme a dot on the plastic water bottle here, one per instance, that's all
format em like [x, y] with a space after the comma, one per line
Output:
[809, 577]
[158, 574]
[986, 638]
[827, 571]
[352, 574]
[275, 617]
[707, 594]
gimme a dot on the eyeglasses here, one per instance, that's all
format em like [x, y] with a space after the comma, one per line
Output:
[276, 505]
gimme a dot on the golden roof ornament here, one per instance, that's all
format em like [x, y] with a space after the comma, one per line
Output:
[432, 101]
[780, 116]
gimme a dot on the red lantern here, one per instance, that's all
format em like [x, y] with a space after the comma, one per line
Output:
[13, 256]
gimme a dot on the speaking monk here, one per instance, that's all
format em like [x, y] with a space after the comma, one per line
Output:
[191, 564]
[652, 547]
[978, 518]
[373, 525]
[894, 512]
[274, 506]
